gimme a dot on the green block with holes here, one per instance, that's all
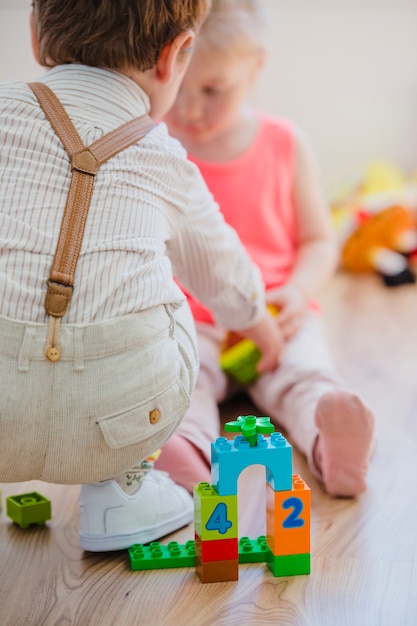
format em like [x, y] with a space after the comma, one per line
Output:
[28, 508]
[253, 550]
[158, 556]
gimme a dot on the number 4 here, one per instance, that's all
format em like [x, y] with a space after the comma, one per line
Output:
[218, 519]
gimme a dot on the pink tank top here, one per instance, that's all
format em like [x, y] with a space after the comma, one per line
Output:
[254, 192]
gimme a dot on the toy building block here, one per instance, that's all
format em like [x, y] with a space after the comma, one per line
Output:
[240, 361]
[239, 357]
[230, 458]
[286, 546]
[174, 555]
[253, 550]
[216, 549]
[289, 565]
[158, 556]
[218, 571]
[288, 519]
[215, 516]
[250, 427]
[28, 508]
[216, 534]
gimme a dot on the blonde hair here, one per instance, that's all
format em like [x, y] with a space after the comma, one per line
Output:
[233, 25]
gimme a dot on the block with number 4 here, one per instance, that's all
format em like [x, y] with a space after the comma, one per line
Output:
[215, 517]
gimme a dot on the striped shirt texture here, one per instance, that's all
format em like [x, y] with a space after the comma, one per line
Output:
[151, 215]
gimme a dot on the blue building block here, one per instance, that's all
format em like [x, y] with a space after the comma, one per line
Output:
[230, 458]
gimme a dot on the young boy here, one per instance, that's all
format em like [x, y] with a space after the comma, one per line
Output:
[128, 360]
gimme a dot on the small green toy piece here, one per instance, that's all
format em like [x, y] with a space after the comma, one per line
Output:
[288, 565]
[250, 427]
[253, 550]
[28, 508]
[240, 356]
[240, 361]
[158, 556]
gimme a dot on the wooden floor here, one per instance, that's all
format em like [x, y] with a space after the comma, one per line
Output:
[364, 552]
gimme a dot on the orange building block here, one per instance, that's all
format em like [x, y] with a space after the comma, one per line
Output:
[288, 519]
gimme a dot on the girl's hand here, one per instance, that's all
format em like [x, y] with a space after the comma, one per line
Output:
[268, 336]
[292, 304]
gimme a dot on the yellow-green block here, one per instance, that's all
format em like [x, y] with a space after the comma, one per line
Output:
[215, 517]
[240, 361]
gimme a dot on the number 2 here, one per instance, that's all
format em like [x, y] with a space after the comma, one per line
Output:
[293, 520]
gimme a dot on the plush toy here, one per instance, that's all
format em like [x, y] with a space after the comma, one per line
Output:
[377, 225]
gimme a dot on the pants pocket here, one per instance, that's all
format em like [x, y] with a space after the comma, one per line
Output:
[146, 419]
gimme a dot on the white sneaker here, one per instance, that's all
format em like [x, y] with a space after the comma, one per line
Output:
[111, 519]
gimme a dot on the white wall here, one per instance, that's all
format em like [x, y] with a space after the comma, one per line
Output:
[346, 70]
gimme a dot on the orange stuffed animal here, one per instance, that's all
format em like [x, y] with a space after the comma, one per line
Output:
[378, 234]
[383, 242]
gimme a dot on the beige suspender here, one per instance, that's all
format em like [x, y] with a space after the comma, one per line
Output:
[85, 163]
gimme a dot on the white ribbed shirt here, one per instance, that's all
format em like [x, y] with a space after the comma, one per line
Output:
[151, 215]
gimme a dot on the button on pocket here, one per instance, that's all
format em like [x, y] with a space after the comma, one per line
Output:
[154, 416]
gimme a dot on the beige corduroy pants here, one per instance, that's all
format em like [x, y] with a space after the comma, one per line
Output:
[118, 393]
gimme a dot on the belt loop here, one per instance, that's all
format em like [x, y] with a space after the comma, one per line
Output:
[25, 349]
[78, 347]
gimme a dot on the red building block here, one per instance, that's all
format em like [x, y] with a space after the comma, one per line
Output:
[216, 549]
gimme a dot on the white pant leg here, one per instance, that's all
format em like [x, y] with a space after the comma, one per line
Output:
[289, 395]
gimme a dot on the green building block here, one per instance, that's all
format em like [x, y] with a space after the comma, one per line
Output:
[240, 361]
[240, 358]
[292, 565]
[172, 555]
[253, 550]
[250, 427]
[28, 508]
[158, 556]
